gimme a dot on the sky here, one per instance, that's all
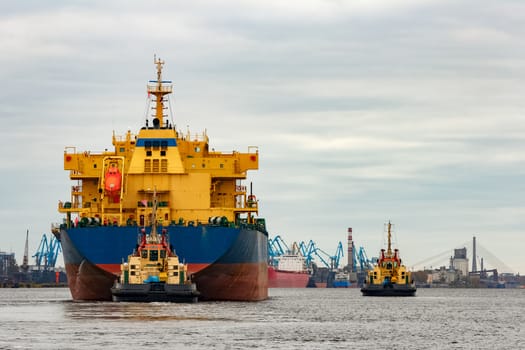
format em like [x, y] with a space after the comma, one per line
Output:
[364, 112]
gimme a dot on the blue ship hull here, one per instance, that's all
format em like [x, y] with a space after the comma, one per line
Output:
[226, 263]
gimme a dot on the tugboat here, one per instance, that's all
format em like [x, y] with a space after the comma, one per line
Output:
[153, 272]
[389, 276]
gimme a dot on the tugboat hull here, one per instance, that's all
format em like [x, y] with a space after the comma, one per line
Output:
[155, 292]
[393, 290]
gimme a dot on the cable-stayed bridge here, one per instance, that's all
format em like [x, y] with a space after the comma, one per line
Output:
[484, 258]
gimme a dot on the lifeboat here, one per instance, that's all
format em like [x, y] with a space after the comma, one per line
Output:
[113, 180]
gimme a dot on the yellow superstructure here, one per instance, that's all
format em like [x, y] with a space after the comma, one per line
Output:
[194, 184]
[154, 263]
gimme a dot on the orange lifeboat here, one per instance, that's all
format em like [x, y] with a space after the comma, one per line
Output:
[113, 180]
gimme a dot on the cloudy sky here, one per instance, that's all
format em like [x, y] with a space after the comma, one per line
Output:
[363, 111]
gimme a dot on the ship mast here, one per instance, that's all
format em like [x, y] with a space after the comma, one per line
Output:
[159, 90]
[389, 250]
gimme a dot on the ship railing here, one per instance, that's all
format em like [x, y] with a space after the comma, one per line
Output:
[162, 88]
[122, 138]
[69, 206]
[195, 137]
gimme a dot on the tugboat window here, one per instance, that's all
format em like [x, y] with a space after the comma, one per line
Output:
[153, 255]
[162, 254]
[144, 254]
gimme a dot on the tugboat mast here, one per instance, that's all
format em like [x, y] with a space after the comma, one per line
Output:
[389, 250]
[153, 238]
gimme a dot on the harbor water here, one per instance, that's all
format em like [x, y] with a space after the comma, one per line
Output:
[289, 319]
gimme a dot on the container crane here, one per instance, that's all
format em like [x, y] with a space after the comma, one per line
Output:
[324, 256]
[364, 263]
[47, 252]
[277, 245]
[307, 251]
[338, 255]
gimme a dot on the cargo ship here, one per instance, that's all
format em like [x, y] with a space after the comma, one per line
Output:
[389, 277]
[288, 271]
[341, 280]
[211, 214]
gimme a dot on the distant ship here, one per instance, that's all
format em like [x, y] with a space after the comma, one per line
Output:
[341, 280]
[288, 271]
[389, 276]
[202, 200]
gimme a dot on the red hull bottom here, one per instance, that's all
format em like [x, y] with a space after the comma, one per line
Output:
[283, 279]
[239, 282]
[234, 282]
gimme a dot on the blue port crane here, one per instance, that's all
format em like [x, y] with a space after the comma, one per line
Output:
[338, 254]
[306, 250]
[47, 252]
[324, 257]
[360, 259]
[278, 245]
[364, 262]
[276, 248]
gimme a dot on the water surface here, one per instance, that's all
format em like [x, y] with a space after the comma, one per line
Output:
[289, 319]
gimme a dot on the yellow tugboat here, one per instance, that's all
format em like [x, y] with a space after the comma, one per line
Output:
[154, 272]
[389, 276]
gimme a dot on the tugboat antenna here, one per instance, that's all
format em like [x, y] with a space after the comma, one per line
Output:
[389, 250]
[153, 234]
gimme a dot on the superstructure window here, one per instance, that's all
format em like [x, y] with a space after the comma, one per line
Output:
[153, 255]
[156, 145]
[163, 165]
[155, 167]
[147, 165]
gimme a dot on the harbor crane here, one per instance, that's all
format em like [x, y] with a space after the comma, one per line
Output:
[47, 253]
